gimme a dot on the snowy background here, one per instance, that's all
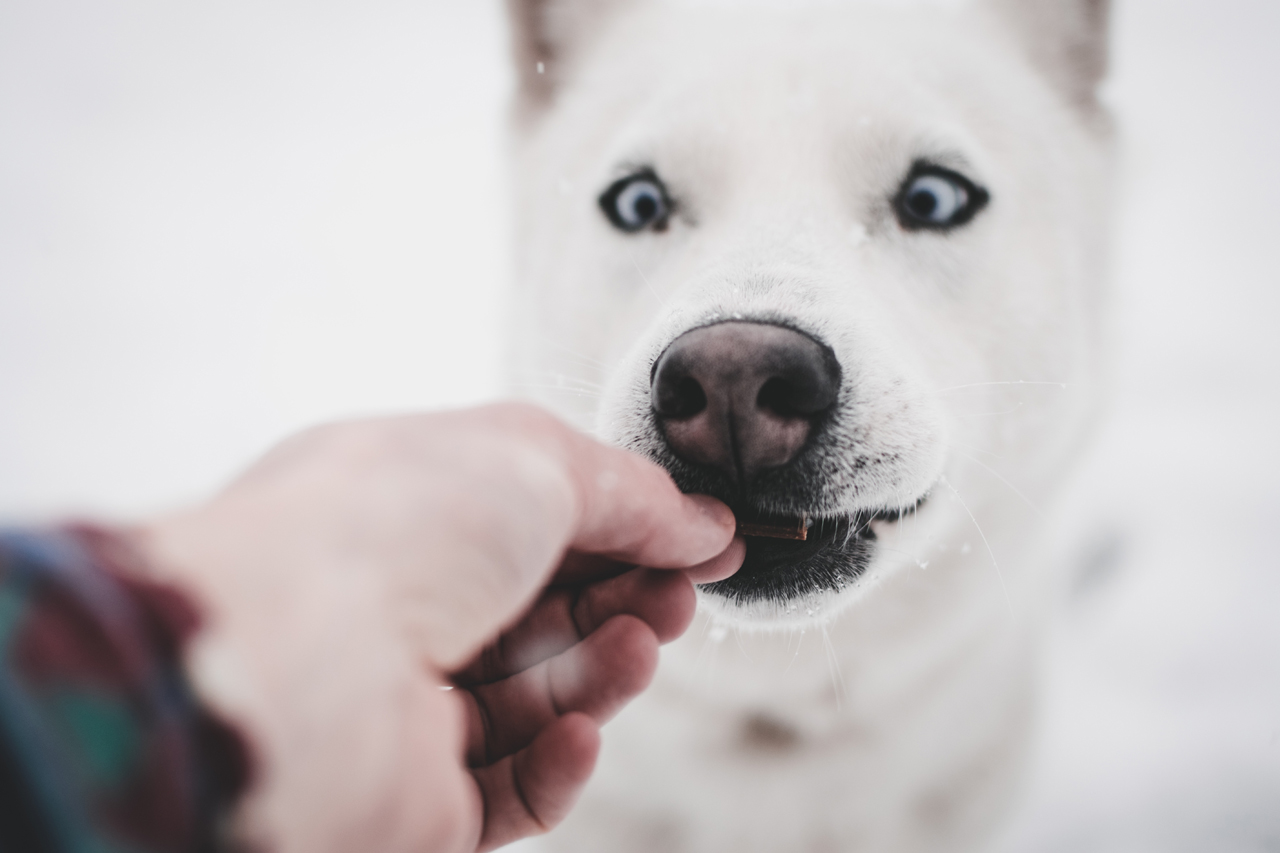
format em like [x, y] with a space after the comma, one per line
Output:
[220, 222]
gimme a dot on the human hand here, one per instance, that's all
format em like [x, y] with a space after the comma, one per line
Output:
[360, 568]
[534, 700]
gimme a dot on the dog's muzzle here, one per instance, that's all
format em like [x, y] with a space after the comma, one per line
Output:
[738, 404]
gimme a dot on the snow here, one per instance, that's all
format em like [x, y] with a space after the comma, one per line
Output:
[302, 208]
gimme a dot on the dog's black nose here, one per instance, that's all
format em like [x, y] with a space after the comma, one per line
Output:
[743, 397]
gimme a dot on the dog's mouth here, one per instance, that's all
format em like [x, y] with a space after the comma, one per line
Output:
[792, 557]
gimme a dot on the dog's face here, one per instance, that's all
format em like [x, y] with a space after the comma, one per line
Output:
[835, 266]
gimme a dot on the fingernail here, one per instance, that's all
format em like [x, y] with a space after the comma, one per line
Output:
[713, 509]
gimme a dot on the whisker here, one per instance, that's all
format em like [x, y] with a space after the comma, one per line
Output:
[953, 445]
[989, 414]
[561, 379]
[1061, 385]
[799, 643]
[1008, 601]
[913, 557]
[545, 341]
[833, 667]
[573, 392]
[713, 638]
[1001, 478]
[858, 531]
[702, 648]
[631, 256]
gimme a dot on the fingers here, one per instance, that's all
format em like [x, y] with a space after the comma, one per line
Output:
[721, 566]
[563, 617]
[546, 631]
[628, 508]
[596, 677]
[632, 511]
[530, 792]
[511, 493]
[578, 567]
[665, 601]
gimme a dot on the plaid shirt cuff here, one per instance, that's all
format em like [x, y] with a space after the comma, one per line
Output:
[103, 746]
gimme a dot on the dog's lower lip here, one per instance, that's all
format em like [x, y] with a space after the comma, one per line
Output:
[833, 554]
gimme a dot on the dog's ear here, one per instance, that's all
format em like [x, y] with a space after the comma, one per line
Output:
[1066, 39]
[546, 37]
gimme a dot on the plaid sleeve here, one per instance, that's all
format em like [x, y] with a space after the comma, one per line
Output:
[103, 747]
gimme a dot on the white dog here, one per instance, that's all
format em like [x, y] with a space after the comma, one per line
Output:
[839, 264]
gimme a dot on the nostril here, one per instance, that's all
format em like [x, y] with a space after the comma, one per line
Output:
[778, 396]
[742, 397]
[679, 397]
[804, 395]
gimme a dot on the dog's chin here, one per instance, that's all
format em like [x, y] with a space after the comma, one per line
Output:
[784, 581]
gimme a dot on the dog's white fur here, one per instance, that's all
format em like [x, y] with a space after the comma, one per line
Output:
[890, 714]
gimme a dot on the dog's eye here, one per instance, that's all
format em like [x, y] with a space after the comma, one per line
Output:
[637, 202]
[937, 199]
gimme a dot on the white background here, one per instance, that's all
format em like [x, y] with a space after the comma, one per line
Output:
[220, 222]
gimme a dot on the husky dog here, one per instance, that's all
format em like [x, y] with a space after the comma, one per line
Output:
[840, 265]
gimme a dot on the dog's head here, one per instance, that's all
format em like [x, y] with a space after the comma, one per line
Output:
[835, 264]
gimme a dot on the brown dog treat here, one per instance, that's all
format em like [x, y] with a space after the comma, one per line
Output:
[776, 528]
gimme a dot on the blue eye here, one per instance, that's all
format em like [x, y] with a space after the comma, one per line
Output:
[937, 199]
[637, 202]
